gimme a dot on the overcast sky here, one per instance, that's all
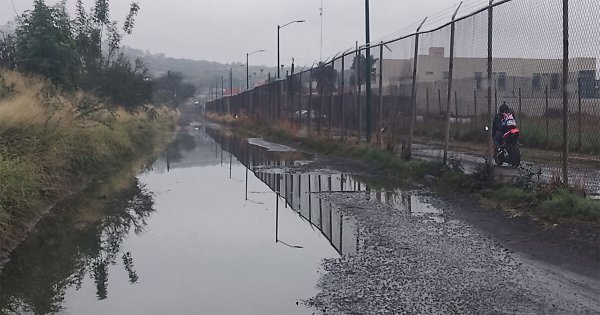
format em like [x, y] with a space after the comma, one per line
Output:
[225, 30]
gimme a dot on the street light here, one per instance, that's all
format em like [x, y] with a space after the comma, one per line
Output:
[279, 28]
[248, 67]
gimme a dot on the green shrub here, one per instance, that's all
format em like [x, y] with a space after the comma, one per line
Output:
[565, 204]
[451, 181]
[512, 195]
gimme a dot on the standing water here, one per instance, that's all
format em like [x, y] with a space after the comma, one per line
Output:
[216, 226]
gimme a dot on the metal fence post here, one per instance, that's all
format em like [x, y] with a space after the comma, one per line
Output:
[440, 100]
[579, 140]
[380, 125]
[222, 92]
[230, 90]
[358, 84]
[368, 75]
[450, 74]
[427, 103]
[413, 101]
[547, 115]
[310, 91]
[475, 110]
[320, 83]
[268, 97]
[520, 103]
[565, 92]
[280, 108]
[342, 109]
[298, 85]
[490, 149]
[332, 89]
[285, 91]
[456, 119]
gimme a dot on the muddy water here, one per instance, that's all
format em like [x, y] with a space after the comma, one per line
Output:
[215, 226]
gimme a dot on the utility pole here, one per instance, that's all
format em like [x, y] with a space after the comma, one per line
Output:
[278, 54]
[491, 152]
[230, 82]
[247, 72]
[248, 67]
[230, 90]
[368, 73]
[321, 42]
[565, 92]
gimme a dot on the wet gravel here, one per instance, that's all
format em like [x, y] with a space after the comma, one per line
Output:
[419, 264]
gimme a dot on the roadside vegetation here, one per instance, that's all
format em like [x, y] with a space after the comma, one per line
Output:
[73, 109]
[524, 194]
[551, 202]
[52, 147]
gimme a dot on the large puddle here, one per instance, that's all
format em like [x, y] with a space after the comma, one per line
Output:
[216, 226]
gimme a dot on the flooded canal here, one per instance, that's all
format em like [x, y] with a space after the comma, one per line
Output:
[215, 226]
[222, 224]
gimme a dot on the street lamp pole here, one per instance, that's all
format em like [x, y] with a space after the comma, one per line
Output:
[248, 67]
[278, 55]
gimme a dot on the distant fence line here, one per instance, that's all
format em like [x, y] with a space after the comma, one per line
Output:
[441, 87]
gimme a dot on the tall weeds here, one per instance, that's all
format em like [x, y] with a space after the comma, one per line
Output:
[53, 144]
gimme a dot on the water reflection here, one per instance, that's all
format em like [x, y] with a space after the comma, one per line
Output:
[83, 240]
[408, 203]
[66, 263]
[300, 191]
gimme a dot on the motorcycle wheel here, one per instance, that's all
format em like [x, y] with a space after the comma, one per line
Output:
[514, 153]
[499, 159]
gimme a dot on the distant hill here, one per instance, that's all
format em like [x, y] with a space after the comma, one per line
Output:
[203, 74]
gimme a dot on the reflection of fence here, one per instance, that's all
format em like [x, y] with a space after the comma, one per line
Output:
[300, 190]
[301, 193]
[442, 85]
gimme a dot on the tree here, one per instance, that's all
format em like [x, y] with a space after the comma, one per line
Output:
[172, 90]
[44, 44]
[69, 52]
[325, 75]
[124, 84]
[8, 51]
[359, 68]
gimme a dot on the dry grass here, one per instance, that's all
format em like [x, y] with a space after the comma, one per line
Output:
[50, 146]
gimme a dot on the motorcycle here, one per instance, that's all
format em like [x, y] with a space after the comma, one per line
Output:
[510, 151]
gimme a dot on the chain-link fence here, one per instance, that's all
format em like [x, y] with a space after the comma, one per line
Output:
[435, 93]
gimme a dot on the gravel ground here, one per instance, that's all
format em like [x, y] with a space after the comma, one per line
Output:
[411, 264]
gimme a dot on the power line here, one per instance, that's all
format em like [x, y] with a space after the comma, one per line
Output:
[15, 10]
[321, 14]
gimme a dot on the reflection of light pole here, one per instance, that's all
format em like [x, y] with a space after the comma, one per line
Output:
[248, 67]
[279, 28]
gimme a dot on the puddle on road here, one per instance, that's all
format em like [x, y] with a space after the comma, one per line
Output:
[216, 226]
[409, 203]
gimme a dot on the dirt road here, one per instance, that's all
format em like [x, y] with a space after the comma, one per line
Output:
[411, 262]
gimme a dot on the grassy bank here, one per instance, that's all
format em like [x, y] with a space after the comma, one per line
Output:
[52, 145]
[551, 202]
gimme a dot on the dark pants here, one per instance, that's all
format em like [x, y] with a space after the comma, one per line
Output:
[498, 139]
